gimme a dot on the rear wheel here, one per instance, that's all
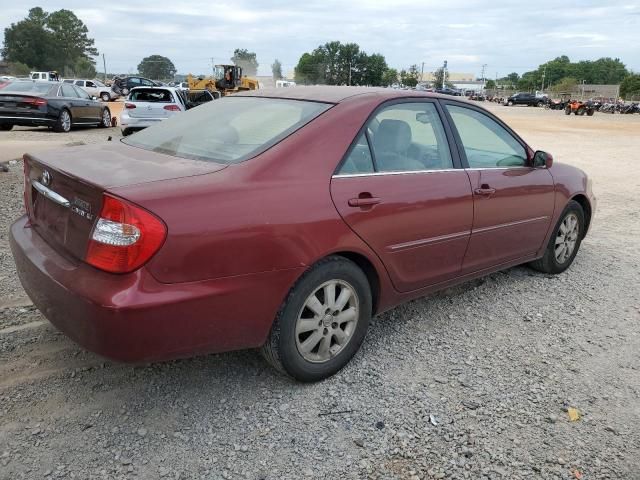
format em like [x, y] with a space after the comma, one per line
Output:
[564, 242]
[590, 112]
[322, 323]
[105, 96]
[105, 121]
[5, 127]
[567, 111]
[125, 91]
[539, 104]
[63, 123]
[510, 103]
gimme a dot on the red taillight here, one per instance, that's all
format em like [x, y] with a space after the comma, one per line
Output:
[38, 102]
[172, 108]
[129, 106]
[125, 237]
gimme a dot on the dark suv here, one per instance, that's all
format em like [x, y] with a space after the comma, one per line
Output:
[525, 99]
[123, 85]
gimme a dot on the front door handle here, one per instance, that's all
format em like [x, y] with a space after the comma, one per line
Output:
[485, 190]
[364, 201]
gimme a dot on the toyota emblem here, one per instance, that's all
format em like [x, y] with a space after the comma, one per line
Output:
[46, 178]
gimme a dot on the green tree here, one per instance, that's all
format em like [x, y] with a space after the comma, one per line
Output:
[276, 70]
[630, 86]
[335, 63]
[19, 69]
[410, 77]
[48, 41]
[389, 77]
[490, 85]
[440, 77]
[84, 69]
[566, 85]
[157, 67]
[247, 60]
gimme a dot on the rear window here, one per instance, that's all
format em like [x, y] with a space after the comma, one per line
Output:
[150, 95]
[31, 87]
[228, 130]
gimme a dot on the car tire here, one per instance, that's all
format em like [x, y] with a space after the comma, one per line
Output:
[125, 91]
[308, 351]
[567, 111]
[580, 111]
[105, 118]
[539, 104]
[510, 103]
[105, 97]
[591, 112]
[556, 259]
[63, 123]
[6, 127]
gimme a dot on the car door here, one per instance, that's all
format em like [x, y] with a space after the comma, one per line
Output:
[513, 202]
[91, 109]
[401, 190]
[73, 101]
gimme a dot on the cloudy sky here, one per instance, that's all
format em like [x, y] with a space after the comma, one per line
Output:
[499, 33]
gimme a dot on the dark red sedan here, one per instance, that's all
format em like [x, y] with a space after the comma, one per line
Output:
[284, 219]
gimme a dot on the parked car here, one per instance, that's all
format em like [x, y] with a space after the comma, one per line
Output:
[94, 88]
[123, 85]
[285, 221]
[56, 105]
[529, 99]
[449, 91]
[146, 106]
[182, 86]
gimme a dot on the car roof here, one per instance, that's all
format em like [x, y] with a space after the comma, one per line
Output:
[152, 87]
[336, 94]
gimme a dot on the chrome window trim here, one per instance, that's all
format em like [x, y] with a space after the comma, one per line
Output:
[498, 168]
[402, 172]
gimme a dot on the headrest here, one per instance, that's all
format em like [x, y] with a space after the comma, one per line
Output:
[393, 136]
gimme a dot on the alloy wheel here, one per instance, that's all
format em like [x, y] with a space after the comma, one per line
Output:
[327, 321]
[106, 118]
[567, 238]
[65, 121]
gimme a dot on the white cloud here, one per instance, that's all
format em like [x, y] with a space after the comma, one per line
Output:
[500, 33]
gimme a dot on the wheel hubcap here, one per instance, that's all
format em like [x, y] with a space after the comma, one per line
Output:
[567, 238]
[327, 321]
[106, 118]
[66, 121]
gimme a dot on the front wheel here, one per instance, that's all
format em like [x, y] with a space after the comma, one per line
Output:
[564, 242]
[510, 103]
[105, 97]
[322, 323]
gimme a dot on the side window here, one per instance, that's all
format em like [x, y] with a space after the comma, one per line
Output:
[147, 83]
[359, 160]
[80, 83]
[82, 94]
[135, 80]
[68, 91]
[409, 137]
[486, 143]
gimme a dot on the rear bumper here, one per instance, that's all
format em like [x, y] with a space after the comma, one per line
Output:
[127, 121]
[135, 318]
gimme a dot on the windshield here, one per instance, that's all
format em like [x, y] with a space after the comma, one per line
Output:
[228, 130]
[31, 87]
[99, 83]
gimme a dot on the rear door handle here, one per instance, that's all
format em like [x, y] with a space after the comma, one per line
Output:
[364, 202]
[485, 191]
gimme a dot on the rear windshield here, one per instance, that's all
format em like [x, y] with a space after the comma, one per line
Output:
[31, 87]
[150, 95]
[228, 130]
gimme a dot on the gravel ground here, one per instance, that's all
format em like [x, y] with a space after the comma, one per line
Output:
[473, 383]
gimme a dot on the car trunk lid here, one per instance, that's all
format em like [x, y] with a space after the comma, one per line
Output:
[20, 103]
[64, 188]
[151, 103]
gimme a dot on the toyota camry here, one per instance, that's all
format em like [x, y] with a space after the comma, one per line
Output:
[283, 220]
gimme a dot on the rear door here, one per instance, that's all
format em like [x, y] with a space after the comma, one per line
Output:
[513, 202]
[92, 109]
[400, 189]
[73, 101]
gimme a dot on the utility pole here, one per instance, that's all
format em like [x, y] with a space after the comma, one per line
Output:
[349, 72]
[422, 73]
[544, 73]
[213, 68]
[104, 64]
[484, 66]
[444, 73]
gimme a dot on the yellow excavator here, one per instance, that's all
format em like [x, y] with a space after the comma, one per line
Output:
[227, 79]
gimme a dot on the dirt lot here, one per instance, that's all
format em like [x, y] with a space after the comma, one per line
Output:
[471, 383]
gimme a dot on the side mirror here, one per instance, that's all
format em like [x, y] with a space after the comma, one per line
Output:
[542, 159]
